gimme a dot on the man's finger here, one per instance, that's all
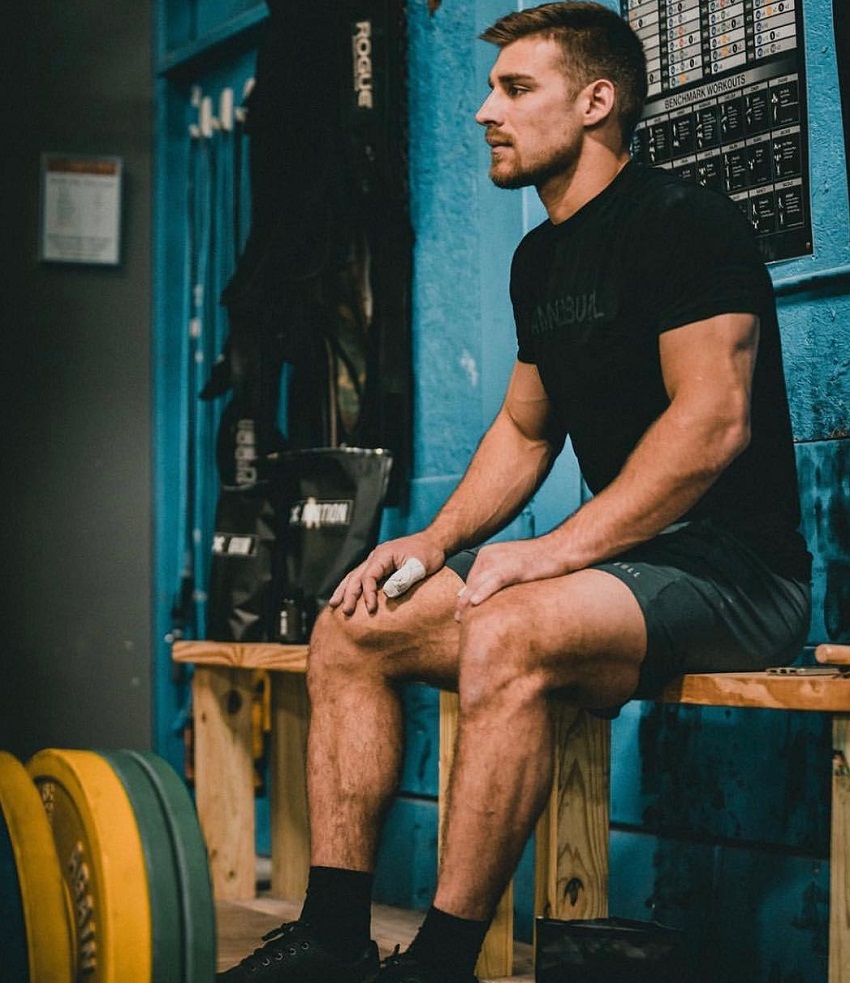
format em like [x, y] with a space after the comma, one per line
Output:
[370, 593]
[352, 594]
[408, 574]
[337, 596]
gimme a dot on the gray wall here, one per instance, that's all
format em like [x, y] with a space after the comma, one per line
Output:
[75, 380]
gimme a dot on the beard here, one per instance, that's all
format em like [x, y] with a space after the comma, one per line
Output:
[511, 174]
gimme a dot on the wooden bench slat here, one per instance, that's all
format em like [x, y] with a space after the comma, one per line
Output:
[734, 689]
[839, 854]
[761, 689]
[243, 655]
[224, 777]
[571, 861]
[290, 824]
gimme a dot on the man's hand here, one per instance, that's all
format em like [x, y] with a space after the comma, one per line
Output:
[501, 564]
[382, 562]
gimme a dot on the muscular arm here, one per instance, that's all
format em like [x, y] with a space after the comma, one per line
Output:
[511, 461]
[508, 466]
[707, 368]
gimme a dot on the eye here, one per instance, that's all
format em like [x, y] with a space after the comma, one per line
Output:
[516, 90]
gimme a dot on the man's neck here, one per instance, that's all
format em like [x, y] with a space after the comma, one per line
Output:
[564, 194]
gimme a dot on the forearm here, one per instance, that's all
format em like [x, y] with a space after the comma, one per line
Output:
[505, 471]
[676, 462]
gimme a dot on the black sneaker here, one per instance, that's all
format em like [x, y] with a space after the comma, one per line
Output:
[293, 954]
[404, 967]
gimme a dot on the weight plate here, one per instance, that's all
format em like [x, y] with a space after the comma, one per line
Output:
[160, 862]
[198, 908]
[102, 861]
[36, 932]
[13, 929]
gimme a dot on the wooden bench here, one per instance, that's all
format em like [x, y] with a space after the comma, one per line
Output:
[571, 877]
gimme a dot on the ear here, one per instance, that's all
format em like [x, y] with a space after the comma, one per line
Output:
[599, 98]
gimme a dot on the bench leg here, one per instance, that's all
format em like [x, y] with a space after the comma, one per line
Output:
[224, 777]
[497, 953]
[571, 859]
[839, 864]
[290, 831]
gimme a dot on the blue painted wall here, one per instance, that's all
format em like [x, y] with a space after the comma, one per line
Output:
[721, 816]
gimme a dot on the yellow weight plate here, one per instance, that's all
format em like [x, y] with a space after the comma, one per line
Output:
[103, 862]
[43, 897]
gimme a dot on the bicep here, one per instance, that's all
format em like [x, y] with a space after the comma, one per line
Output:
[710, 363]
[526, 403]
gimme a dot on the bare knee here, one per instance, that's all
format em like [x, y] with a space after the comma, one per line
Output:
[341, 648]
[345, 648]
[497, 664]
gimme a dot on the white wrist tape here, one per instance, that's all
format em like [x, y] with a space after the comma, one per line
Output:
[409, 573]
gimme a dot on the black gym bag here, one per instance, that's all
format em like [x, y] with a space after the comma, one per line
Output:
[282, 544]
[609, 950]
[330, 501]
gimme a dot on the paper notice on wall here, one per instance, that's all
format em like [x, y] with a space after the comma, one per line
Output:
[81, 209]
[726, 107]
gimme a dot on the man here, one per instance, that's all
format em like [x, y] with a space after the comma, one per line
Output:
[647, 333]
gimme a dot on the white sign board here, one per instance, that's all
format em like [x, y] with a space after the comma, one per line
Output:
[80, 209]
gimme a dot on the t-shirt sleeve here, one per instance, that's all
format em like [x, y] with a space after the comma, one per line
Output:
[521, 270]
[703, 262]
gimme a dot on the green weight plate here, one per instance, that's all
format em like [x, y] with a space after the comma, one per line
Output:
[103, 863]
[38, 941]
[198, 909]
[13, 929]
[160, 861]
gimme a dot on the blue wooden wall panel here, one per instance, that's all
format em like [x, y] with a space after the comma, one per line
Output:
[175, 25]
[212, 15]
[770, 915]
[406, 874]
[749, 915]
[188, 27]
[444, 186]
[720, 773]
[169, 693]
[816, 342]
[824, 469]
[420, 773]
[172, 359]
[816, 322]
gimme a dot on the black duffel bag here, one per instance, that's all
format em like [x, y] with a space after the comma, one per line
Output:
[609, 950]
[282, 545]
[330, 502]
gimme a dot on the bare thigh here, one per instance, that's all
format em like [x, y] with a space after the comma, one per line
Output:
[584, 633]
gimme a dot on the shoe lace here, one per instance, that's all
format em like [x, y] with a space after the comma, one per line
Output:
[401, 967]
[405, 967]
[277, 946]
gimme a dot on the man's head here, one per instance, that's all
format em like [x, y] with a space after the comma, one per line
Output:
[596, 43]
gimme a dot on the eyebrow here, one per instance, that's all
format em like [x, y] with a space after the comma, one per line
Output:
[511, 78]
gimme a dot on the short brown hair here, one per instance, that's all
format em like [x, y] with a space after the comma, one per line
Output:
[596, 42]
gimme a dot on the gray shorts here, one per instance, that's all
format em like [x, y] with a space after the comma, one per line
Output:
[710, 604]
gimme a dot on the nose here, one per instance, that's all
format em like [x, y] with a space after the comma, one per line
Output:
[488, 114]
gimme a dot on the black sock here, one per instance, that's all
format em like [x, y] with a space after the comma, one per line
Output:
[338, 908]
[449, 943]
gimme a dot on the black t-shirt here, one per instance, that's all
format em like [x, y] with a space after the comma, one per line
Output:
[592, 294]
